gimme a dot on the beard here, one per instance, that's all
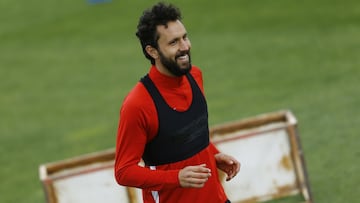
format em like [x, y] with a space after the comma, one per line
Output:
[173, 67]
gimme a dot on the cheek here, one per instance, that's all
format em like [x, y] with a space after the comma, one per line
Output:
[168, 52]
[171, 53]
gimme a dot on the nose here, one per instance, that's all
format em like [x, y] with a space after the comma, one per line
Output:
[184, 45]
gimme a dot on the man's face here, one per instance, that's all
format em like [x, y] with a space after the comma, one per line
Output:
[174, 48]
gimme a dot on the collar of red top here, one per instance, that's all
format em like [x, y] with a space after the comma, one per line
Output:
[164, 80]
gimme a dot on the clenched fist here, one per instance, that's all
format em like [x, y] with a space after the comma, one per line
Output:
[194, 176]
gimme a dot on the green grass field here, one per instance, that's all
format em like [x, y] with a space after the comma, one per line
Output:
[65, 67]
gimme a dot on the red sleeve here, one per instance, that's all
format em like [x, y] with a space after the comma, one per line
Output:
[197, 74]
[133, 132]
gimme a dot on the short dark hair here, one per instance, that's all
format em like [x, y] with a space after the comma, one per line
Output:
[159, 14]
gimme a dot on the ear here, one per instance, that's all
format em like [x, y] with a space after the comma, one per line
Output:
[152, 51]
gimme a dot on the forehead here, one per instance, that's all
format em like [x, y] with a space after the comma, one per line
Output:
[174, 29]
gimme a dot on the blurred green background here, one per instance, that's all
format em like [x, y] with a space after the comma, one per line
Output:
[65, 67]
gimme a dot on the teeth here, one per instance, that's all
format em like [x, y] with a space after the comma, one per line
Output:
[183, 57]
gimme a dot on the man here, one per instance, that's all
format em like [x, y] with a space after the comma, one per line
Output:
[164, 121]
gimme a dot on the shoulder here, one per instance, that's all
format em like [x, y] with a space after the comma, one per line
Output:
[138, 112]
[197, 74]
[195, 71]
[137, 99]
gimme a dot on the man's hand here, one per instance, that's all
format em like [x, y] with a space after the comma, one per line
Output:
[194, 176]
[228, 164]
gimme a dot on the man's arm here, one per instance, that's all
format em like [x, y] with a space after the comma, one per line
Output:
[133, 133]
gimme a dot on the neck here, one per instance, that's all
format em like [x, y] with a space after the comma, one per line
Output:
[163, 70]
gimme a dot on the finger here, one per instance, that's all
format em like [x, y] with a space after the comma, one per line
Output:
[195, 185]
[194, 176]
[230, 176]
[233, 170]
[200, 175]
[226, 158]
[238, 165]
[231, 160]
[201, 169]
[195, 182]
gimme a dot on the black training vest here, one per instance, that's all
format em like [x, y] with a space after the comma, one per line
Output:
[180, 134]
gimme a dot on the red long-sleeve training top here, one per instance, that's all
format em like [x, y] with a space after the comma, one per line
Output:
[138, 124]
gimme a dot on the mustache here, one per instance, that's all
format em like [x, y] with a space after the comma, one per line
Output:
[182, 53]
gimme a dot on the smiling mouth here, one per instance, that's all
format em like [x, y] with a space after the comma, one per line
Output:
[183, 57]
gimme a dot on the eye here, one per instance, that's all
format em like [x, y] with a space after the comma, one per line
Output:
[173, 42]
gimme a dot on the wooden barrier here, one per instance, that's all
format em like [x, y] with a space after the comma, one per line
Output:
[268, 147]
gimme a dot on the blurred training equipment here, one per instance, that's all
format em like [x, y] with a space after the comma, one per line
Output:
[268, 147]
